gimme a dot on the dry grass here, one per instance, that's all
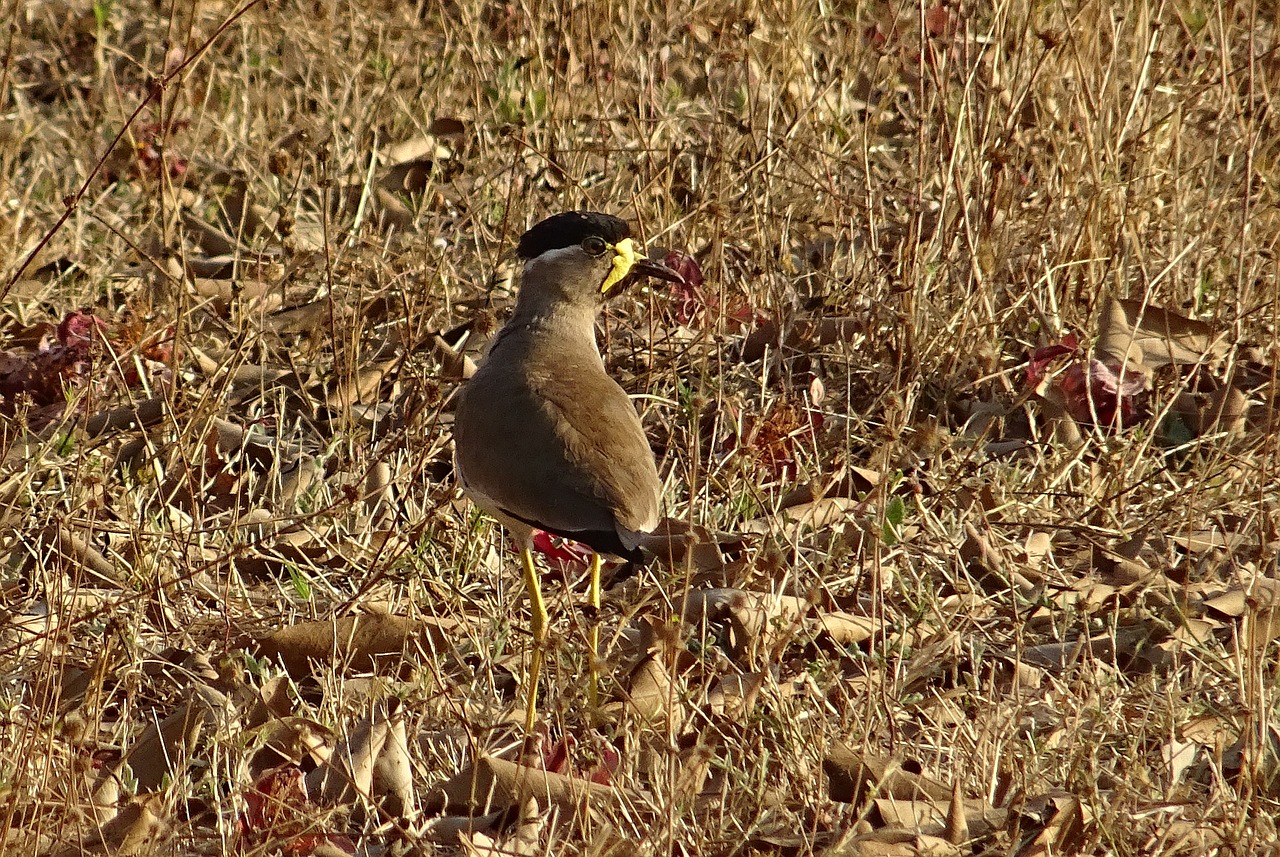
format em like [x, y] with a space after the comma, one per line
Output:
[1071, 625]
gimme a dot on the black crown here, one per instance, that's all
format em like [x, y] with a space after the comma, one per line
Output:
[570, 228]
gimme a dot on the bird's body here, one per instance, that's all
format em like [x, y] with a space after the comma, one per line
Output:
[557, 475]
[544, 439]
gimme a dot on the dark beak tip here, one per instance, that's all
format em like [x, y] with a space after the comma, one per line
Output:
[660, 270]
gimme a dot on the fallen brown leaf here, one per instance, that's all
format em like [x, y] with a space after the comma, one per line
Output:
[365, 642]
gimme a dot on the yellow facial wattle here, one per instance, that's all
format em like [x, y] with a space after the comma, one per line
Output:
[624, 256]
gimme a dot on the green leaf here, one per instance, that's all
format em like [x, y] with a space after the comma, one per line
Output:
[301, 585]
[102, 13]
[894, 514]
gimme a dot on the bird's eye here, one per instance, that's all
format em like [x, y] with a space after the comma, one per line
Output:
[594, 245]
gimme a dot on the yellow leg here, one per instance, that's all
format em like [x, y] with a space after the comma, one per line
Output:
[593, 636]
[538, 625]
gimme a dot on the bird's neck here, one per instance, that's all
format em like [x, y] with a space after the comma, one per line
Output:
[565, 324]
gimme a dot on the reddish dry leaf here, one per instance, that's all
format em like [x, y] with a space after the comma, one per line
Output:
[937, 20]
[691, 305]
[70, 356]
[688, 300]
[60, 361]
[775, 441]
[568, 556]
[558, 758]
[1088, 387]
[151, 157]
[280, 816]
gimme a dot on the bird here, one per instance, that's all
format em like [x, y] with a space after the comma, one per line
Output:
[544, 438]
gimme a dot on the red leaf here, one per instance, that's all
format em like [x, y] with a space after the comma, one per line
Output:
[686, 266]
[1046, 354]
[688, 297]
[1089, 386]
[566, 553]
[937, 20]
[77, 329]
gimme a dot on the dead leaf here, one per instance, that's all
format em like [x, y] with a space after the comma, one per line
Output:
[1063, 834]
[452, 829]
[957, 829]
[493, 783]
[57, 545]
[1134, 649]
[1260, 594]
[1256, 605]
[279, 814]
[141, 415]
[1210, 730]
[363, 642]
[393, 772]
[1178, 757]
[923, 816]
[1038, 547]
[1202, 540]
[761, 617]
[529, 830]
[851, 482]
[847, 629]
[802, 335]
[457, 365]
[818, 515]
[1151, 337]
[1224, 412]
[291, 741]
[854, 774]
[678, 544]
[360, 386]
[347, 774]
[649, 690]
[135, 831]
[734, 696]
[165, 748]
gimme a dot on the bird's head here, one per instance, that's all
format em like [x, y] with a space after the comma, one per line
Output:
[583, 257]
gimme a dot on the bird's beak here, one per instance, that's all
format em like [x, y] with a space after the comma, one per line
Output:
[629, 264]
[652, 268]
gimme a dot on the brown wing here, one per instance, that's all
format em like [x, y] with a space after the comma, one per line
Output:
[570, 459]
